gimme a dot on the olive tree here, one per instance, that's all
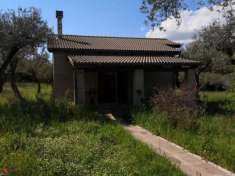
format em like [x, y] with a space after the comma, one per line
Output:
[20, 31]
[214, 47]
[158, 11]
[38, 67]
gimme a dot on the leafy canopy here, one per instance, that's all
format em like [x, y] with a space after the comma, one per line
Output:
[214, 46]
[158, 11]
[24, 27]
[22, 31]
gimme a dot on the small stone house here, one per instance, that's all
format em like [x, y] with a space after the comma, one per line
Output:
[115, 70]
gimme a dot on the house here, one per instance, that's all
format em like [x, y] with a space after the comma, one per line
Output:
[115, 70]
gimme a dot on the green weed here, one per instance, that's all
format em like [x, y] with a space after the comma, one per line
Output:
[41, 137]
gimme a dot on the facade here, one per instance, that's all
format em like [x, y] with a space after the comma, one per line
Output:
[115, 70]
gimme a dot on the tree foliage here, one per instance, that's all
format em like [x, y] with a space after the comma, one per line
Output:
[21, 31]
[36, 68]
[158, 11]
[214, 47]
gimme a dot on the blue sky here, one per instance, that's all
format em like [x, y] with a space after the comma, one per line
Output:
[90, 17]
[116, 18]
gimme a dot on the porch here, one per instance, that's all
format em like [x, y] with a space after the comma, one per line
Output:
[126, 80]
[103, 87]
[123, 87]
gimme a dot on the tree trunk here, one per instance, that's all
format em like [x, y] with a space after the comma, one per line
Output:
[13, 82]
[8, 59]
[16, 90]
[37, 81]
[5, 65]
[2, 81]
[39, 85]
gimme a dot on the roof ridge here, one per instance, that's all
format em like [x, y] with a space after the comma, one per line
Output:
[121, 37]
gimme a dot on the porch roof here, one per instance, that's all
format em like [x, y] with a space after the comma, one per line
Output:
[129, 60]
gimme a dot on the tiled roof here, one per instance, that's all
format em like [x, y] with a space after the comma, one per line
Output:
[75, 42]
[129, 60]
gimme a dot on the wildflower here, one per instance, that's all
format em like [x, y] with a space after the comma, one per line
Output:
[4, 171]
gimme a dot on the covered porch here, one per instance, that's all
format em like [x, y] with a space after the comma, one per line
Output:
[125, 80]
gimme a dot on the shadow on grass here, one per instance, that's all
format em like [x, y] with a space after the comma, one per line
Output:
[26, 116]
[220, 107]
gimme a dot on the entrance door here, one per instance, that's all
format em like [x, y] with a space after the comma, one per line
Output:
[107, 87]
[123, 84]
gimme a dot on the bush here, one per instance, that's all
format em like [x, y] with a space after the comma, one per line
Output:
[213, 81]
[182, 107]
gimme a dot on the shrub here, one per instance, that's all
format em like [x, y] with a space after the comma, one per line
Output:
[214, 81]
[182, 107]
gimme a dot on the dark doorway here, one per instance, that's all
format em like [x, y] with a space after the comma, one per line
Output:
[107, 87]
[123, 87]
[113, 87]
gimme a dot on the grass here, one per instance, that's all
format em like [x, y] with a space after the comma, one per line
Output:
[40, 137]
[27, 90]
[215, 137]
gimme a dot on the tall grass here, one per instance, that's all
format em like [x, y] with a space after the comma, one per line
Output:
[214, 139]
[40, 137]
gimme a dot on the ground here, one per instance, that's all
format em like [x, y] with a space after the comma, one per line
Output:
[40, 137]
[213, 139]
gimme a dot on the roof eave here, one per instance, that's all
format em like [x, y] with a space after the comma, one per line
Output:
[111, 50]
[166, 67]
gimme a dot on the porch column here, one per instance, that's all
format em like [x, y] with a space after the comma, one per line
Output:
[75, 86]
[138, 87]
[81, 87]
[190, 78]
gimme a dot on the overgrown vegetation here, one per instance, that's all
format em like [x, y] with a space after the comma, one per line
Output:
[177, 104]
[214, 135]
[40, 137]
[214, 47]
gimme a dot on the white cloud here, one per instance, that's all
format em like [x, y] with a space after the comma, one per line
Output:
[191, 23]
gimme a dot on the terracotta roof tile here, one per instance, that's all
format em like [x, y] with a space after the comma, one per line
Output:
[135, 60]
[75, 42]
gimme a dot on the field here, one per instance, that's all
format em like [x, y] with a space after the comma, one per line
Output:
[40, 137]
[214, 139]
[28, 90]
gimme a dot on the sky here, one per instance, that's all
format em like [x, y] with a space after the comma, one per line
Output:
[89, 17]
[191, 23]
[114, 18]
